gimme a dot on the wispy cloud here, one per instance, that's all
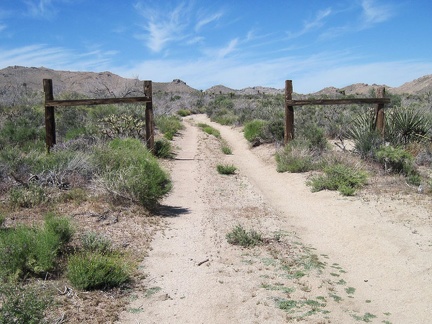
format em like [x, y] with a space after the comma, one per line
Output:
[314, 24]
[55, 57]
[374, 13]
[368, 12]
[40, 8]
[163, 27]
[207, 19]
[228, 49]
[2, 27]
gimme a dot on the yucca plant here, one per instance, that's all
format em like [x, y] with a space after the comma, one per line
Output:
[406, 125]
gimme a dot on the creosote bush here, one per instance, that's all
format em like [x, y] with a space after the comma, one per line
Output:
[239, 236]
[30, 250]
[129, 171]
[340, 177]
[94, 270]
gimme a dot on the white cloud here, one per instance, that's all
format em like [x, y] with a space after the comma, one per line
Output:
[314, 24]
[55, 57]
[228, 49]
[374, 13]
[205, 20]
[2, 27]
[40, 8]
[163, 27]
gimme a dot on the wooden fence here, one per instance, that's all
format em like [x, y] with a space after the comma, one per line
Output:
[380, 101]
[50, 104]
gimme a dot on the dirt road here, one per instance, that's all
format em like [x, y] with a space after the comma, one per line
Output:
[326, 258]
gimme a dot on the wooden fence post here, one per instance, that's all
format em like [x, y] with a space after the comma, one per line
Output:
[50, 132]
[149, 116]
[379, 112]
[289, 113]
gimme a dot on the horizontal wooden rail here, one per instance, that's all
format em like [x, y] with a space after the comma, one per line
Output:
[347, 101]
[90, 102]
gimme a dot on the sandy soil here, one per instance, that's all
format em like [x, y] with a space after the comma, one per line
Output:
[326, 258]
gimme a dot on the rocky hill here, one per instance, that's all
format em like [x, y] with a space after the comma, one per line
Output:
[105, 84]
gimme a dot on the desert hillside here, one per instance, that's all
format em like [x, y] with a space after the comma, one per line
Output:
[103, 83]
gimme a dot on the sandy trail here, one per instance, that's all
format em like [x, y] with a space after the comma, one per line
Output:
[384, 255]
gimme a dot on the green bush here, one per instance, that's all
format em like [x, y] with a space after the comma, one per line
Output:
[163, 149]
[30, 250]
[60, 226]
[294, 158]
[183, 112]
[20, 304]
[129, 171]
[226, 169]
[314, 137]
[2, 220]
[92, 270]
[14, 252]
[254, 130]
[396, 160]
[226, 149]
[168, 125]
[239, 236]
[29, 197]
[339, 177]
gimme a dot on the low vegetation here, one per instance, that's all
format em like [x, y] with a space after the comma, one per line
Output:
[239, 236]
[226, 169]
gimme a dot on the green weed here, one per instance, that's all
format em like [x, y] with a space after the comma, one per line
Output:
[239, 236]
[226, 169]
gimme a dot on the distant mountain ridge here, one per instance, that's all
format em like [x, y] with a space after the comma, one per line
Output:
[95, 84]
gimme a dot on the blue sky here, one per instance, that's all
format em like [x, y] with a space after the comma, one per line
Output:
[237, 43]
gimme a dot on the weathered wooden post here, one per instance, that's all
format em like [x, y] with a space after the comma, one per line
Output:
[149, 116]
[289, 113]
[379, 112]
[50, 132]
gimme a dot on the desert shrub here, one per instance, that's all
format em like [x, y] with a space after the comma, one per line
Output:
[226, 149]
[209, 130]
[2, 220]
[339, 177]
[23, 127]
[226, 169]
[60, 226]
[92, 270]
[27, 197]
[163, 149]
[168, 125]
[183, 112]
[314, 136]
[406, 124]
[30, 250]
[275, 129]
[396, 160]
[19, 304]
[255, 129]
[14, 251]
[294, 158]
[128, 170]
[95, 242]
[239, 236]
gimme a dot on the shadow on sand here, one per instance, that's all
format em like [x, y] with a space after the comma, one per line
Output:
[171, 211]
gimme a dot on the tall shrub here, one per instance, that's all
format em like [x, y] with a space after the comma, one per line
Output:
[128, 170]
